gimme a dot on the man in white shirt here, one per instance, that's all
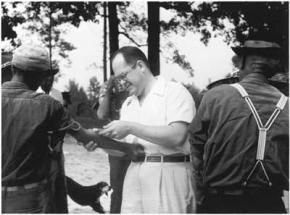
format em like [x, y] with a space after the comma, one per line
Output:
[156, 115]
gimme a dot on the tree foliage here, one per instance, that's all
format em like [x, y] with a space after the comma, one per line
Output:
[79, 98]
[45, 18]
[245, 17]
[94, 89]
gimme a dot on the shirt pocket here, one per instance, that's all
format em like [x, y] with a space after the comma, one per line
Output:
[153, 112]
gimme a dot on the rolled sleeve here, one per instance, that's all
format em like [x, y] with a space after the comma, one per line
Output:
[180, 105]
[60, 118]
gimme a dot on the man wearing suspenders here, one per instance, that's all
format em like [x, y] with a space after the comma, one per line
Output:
[240, 138]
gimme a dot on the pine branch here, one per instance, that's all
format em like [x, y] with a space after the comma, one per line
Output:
[130, 38]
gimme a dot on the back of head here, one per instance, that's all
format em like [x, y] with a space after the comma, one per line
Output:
[131, 55]
[259, 53]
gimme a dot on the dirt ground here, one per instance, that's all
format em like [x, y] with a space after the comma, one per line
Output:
[88, 168]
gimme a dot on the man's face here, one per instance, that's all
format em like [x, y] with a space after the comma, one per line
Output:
[128, 73]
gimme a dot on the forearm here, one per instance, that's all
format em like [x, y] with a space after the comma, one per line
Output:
[169, 135]
[104, 108]
[83, 135]
[108, 143]
[87, 135]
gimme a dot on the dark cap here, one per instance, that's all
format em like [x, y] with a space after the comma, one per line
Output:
[258, 46]
[31, 58]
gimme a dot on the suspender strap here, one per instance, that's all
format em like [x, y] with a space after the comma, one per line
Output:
[282, 102]
[279, 107]
[262, 128]
[249, 102]
[242, 90]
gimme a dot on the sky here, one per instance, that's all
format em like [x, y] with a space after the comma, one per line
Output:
[210, 63]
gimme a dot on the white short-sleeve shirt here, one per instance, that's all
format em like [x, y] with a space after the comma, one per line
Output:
[167, 102]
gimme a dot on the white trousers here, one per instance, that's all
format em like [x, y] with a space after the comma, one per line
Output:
[155, 187]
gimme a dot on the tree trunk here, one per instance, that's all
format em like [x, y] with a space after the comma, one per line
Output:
[49, 36]
[105, 42]
[286, 42]
[113, 28]
[153, 37]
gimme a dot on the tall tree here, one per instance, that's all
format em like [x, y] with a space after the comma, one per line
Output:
[154, 37]
[113, 28]
[105, 41]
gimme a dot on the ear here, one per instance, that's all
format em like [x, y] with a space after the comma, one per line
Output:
[141, 65]
[237, 61]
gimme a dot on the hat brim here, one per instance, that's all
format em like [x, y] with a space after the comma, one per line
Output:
[6, 65]
[229, 80]
[239, 50]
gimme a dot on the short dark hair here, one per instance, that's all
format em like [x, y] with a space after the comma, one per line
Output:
[131, 55]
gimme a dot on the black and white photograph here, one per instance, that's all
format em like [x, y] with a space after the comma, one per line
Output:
[145, 107]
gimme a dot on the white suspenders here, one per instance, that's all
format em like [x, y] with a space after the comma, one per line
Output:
[262, 128]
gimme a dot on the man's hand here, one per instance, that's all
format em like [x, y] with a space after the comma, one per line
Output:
[136, 151]
[116, 129]
[91, 146]
[133, 151]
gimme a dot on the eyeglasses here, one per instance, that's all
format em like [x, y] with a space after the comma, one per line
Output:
[123, 75]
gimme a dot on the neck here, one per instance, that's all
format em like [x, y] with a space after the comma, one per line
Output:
[150, 82]
[17, 78]
[257, 76]
[30, 83]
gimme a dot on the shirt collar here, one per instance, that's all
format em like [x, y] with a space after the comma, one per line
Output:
[14, 85]
[157, 89]
[252, 79]
[159, 86]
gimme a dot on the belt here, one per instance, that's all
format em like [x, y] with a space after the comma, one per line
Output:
[165, 158]
[221, 191]
[24, 187]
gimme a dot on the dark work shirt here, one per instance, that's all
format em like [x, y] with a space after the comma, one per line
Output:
[224, 137]
[27, 117]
